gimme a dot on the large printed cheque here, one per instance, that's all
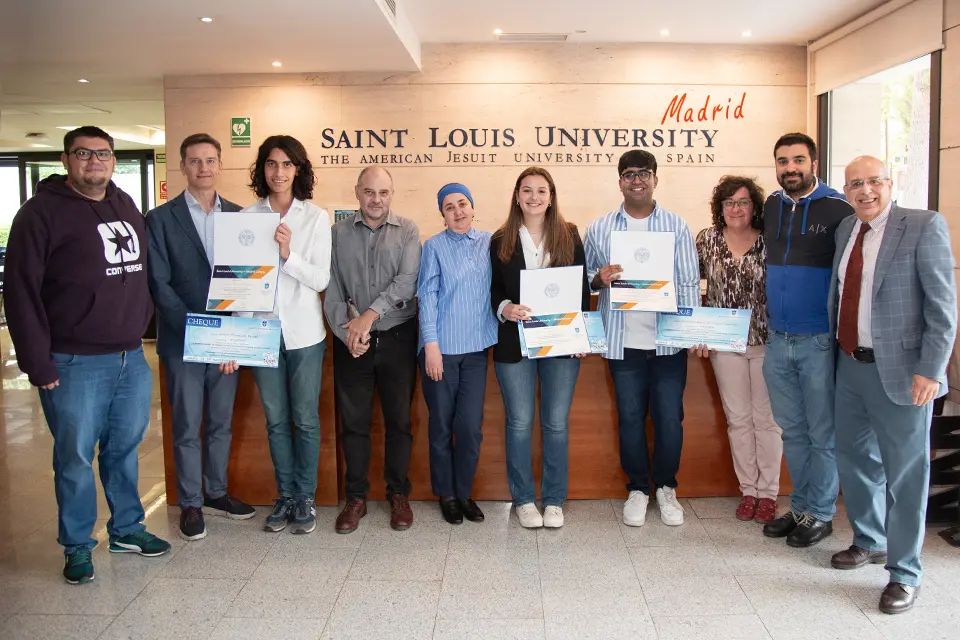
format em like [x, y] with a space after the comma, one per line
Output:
[647, 281]
[251, 342]
[719, 329]
[563, 335]
[246, 261]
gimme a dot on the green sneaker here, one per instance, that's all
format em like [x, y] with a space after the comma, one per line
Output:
[78, 566]
[142, 542]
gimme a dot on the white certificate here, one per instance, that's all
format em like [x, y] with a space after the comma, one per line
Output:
[548, 336]
[246, 262]
[552, 291]
[647, 282]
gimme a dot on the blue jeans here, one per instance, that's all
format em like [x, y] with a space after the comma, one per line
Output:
[518, 385]
[292, 391]
[645, 380]
[456, 414]
[103, 399]
[799, 371]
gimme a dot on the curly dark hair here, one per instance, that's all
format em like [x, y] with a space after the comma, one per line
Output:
[728, 186]
[304, 181]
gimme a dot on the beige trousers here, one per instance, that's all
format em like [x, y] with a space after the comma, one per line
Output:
[754, 435]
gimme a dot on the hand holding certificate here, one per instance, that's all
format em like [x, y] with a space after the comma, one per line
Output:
[555, 325]
[718, 329]
[246, 261]
[647, 282]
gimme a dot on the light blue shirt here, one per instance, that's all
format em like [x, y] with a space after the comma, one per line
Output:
[203, 221]
[454, 292]
[686, 269]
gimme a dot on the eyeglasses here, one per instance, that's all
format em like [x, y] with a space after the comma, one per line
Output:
[84, 154]
[730, 205]
[630, 176]
[875, 181]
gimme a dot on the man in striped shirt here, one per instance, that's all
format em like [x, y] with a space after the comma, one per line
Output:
[637, 365]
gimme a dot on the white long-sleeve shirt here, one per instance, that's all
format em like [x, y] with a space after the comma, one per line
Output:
[303, 275]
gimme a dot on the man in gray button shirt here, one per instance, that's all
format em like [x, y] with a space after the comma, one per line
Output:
[371, 310]
[179, 266]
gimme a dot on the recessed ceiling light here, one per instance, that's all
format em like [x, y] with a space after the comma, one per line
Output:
[206, 19]
[747, 33]
[664, 32]
[277, 63]
[83, 80]
[497, 32]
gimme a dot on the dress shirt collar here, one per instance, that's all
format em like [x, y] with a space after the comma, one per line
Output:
[194, 203]
[471, 233]
[623, 215]
[391, 219]
[296, 205]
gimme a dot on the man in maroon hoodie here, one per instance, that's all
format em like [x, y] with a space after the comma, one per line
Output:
[77, 305]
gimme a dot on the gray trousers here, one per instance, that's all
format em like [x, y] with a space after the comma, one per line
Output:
[199, 468]
[883, 456]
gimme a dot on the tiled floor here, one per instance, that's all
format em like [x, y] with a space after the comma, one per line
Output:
[712, 578]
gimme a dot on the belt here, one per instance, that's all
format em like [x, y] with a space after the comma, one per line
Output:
[863, 354]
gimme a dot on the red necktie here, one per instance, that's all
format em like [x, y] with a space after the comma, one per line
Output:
[847, 332]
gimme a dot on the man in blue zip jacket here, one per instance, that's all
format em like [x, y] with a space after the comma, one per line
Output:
[800, 223]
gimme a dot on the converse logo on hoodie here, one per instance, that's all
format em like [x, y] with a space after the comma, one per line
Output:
[120, 246]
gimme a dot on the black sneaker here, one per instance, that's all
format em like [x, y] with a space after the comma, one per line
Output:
[782, 526]
[228, 507]
[191, 524]
[304, 516]
[281, 516]
[78, 566]
[809, 532]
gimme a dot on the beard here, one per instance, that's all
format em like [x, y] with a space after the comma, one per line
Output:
[803, 186]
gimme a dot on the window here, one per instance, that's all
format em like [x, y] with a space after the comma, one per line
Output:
[9, 197]
[886, 115]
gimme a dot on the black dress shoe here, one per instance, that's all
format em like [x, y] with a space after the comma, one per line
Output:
[471, 511]
[856, 557]
[450, 507]
[782, 526]
[898, 598]
[809, 532]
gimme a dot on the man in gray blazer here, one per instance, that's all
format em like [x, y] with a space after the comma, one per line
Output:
[893, 304]
[180, 260]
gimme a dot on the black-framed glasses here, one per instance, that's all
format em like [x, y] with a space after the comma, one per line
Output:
[743, 203]
[630, 176]
[83, 154]
[875, 181]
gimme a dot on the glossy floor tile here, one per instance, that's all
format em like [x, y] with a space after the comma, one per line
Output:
[714, 577]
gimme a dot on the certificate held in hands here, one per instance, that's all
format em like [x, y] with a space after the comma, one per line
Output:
[718, 329]
[555, 325]
[246, 261]
[251, 342]
[647, 281]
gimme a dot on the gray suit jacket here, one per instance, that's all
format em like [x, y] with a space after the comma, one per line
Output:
[178, 271]
[914, 299]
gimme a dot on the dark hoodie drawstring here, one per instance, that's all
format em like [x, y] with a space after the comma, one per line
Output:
[780, 219]
[806, 207]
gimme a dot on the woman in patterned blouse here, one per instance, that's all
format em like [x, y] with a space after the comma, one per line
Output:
[732, 262]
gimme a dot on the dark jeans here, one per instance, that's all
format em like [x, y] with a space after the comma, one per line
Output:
[456, 413]
[102, 400]
[641, 380]
[199, 393]
[291, 394]
[390, 367]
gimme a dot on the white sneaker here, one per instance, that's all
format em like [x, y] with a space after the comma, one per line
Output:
[530, 517]
[635, 509]
[670, 510]
[553, 517]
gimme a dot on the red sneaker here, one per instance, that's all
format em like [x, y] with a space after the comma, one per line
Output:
[747, 509]
[766, 511]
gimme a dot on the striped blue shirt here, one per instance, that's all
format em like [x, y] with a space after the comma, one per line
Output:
[686, 269]
[454, 292]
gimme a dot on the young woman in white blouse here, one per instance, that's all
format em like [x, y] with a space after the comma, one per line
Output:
[283, 179]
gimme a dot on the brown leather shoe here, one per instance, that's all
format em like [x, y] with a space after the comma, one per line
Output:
[349, 518]
[898, 598]
[856, 557]
[401, 515]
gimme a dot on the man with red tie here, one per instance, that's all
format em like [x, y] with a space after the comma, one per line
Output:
[893, 304]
